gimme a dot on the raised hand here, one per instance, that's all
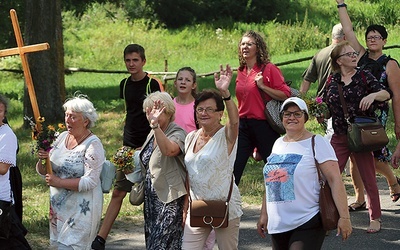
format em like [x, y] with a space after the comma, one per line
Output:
[154, 113]
[223, 79]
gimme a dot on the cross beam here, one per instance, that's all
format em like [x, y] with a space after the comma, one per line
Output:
[21, 50]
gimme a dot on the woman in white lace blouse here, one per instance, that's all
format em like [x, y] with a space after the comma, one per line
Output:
[76, 198]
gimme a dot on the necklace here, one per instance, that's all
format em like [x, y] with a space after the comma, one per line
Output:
[78, 142]
[295, 139]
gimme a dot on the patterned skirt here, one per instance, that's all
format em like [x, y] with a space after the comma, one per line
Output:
[163, 221]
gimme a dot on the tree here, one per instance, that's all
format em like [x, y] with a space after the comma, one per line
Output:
[43, 24]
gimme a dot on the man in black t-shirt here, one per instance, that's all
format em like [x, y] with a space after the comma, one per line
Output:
[133, 90]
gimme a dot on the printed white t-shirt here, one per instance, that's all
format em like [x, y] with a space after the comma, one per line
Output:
[291, 182]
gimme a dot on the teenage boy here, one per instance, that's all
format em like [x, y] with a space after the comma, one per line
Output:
[133, 90]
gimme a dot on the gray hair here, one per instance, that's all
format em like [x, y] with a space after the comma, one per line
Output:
[337, 31]
[81, 104]
[165, 98]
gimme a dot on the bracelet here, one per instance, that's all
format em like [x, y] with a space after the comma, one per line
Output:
[342, 5]
[226, 98]
[154, 126]
[344, 218]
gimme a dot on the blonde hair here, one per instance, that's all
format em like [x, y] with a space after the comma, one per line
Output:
[165, 98]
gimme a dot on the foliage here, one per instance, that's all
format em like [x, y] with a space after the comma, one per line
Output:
[319, 109]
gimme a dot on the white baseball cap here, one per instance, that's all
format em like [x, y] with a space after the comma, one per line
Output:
[298, 101]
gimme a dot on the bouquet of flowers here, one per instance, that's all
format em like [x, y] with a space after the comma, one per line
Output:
[46, 136]
[318, 109]
[123, 159]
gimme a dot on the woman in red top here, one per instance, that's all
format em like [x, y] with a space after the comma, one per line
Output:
[255, 73]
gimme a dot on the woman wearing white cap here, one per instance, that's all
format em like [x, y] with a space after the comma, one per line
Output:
[290, 208]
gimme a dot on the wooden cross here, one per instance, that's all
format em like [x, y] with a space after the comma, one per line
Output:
[21, 50]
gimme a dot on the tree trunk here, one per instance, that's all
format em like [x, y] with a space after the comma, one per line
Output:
[43, 24]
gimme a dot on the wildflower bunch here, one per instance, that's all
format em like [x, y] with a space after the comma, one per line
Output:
[45, 136]
[123, 159]
[318, 109]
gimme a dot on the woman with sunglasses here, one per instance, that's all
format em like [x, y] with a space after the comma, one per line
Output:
[290, 208]
[387, 71]
[360, 91]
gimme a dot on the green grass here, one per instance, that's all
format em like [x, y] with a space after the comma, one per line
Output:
[199, 46]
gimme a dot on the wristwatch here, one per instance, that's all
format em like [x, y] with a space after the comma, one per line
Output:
[154, 126]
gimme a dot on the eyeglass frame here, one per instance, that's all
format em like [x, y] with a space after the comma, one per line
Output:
[207, 110]
[376, 37]
[349, 54]
[302, 113]
[248, 44]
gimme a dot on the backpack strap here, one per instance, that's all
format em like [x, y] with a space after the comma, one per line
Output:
[148, 89]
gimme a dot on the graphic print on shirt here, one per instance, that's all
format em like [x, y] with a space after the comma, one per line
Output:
[278, 177]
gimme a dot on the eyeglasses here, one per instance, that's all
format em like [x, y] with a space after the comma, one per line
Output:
[247, 44]
[349, 54]
[369, 39]
[207, 110]
[296, 114]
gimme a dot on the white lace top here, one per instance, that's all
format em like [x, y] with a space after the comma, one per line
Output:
[8, 155]
[75, 215]
[210, 171]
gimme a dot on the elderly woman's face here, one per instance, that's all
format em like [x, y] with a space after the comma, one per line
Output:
[75, 121]
[293, 118]
[207, 113]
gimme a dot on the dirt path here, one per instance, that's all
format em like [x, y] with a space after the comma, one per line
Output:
[128, 233]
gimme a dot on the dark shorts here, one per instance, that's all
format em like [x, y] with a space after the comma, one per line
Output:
[121, 183]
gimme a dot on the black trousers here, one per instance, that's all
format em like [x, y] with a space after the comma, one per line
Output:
[252, 134]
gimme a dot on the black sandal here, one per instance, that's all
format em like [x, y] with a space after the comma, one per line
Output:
[395, 196]
[357, 206]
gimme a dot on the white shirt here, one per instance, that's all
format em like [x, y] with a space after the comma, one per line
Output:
[210, 171]
[291, 182]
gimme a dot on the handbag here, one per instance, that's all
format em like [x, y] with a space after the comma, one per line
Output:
[136, 197]
[273, 107]
[364, 134]
[107, 176]
[210, 213]
[327, 207]
[5, 219]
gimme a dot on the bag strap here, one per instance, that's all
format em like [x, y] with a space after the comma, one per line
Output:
[187, 184]
[321, 180]
[343, 102]
[262, 93]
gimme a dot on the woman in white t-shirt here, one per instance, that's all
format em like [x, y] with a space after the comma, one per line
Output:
[290, 208]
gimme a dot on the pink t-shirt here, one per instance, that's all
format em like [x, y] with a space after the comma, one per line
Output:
[184, 116]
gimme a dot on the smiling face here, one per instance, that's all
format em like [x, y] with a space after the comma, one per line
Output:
[293, 119]
[184, 82]
[207, 113]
